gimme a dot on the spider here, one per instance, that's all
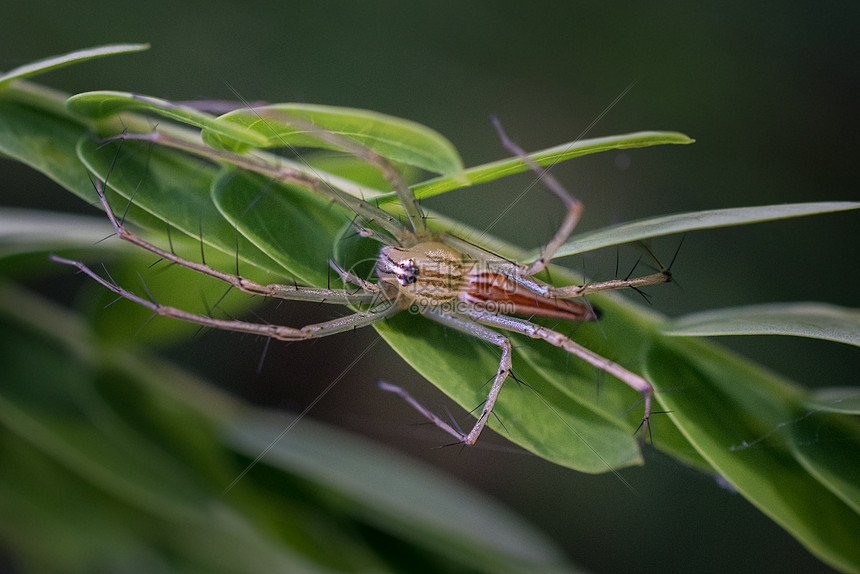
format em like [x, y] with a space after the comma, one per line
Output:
[444, 278]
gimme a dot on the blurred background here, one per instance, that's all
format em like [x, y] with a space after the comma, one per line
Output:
[769, 91]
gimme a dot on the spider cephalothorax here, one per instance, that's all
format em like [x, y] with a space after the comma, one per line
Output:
[430, 273]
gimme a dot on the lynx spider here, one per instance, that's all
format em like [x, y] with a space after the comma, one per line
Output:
[445, 278]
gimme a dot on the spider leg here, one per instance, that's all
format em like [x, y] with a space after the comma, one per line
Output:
[383, 310]
[389, 172]
[574, 212]
[574, 206]
[535, 331]
[428, 414]
[292, 292]
[470, 327]
[662, 276]
[348, 277]
[278, 169]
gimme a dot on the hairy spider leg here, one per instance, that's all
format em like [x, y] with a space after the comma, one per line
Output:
[278, 169]
[278, 332]
[535, 331]
[470, 327]
[381, 306]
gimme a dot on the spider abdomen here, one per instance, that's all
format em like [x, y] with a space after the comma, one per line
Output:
[497, 292]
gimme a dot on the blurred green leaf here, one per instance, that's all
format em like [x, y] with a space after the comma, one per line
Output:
[78, 56]
[815, 320]
[26, 230]
[400, 496]
[126, 460]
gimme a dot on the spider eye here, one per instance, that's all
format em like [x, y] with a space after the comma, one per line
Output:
[409, 272]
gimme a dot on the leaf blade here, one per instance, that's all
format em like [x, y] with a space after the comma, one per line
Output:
[836, 399]
[397, 139]
[813, 320]
[692, 221]
[743, 431]
[55, 62]
[548, 157]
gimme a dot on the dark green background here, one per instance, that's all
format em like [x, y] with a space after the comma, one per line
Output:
[769, 90]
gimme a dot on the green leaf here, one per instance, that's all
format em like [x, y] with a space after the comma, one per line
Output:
[172, 187]
[745, 430]
[574, 381]
[26, 230]
[55, 62]
[47, 143]
[547, 157]
[540, 415]
[402, 497]
[692, 221]
[286, 223]
[125, 460]
[104, 104]
[397, 139]
[815, 320]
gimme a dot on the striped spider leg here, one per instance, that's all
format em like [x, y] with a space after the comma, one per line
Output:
[442, 277]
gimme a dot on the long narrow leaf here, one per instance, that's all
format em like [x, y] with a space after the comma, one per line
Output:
[829, 449]
[547, 157]
[55, 62]
[692, 221]
[26, 230]
[742, 420]
[386, 488]
[814, 320]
